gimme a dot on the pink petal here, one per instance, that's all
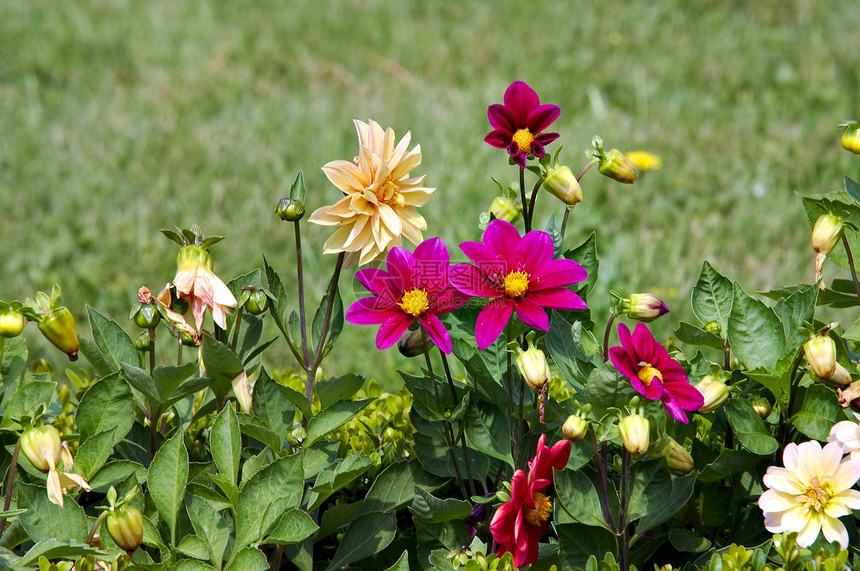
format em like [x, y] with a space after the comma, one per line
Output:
[537, 149]
[365, 311]
[674, 409]
[499, 139]
[374, 280]
[486, 262]
[545, 138]
[534, 251]
[501, 118]
[556, 298]
[519, 158]
[688, 397]
[448, 301]
[491, 321]
[542, 117]
[557, 273]
[622, 362]
[400, 263]
[532, 314]
[520, 99]
[471, 281]
[436, 331]
[500, 240]
[431, 266]
[392, 330]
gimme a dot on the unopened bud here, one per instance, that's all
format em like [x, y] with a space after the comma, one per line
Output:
[714, 391]
[192, 255]
[125, 526]
[504, 208]
[635, 433]
[645, 307]
[761, 406]
[714, 328]
[851, 137]
[562, 183]
[679, 460]
[826, 233]
[145, 314]
[11, 323]
[533, 367]
[41, 445]
[414, 343]
[574, 428]
[58, 327]
[820, 352]
[290, 209]
[616, 166]
[257, 301]
[840, 378]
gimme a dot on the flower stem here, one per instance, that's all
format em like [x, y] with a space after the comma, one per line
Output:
[318, 354]
[236, 325]
[95, 527]
[851, 265]
[301, 286]
[516, 452]
[9, 484]
[624, 544]
[533, 200]
[456, 403]
[151, 350]
[600, 458]
[579, 176]
[606, 337]
[179, 349]
[527, 220]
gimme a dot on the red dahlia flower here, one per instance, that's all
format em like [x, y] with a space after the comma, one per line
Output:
[518, 524]
[653, 372]
[519, 274]
[517, 124]
[415, 287]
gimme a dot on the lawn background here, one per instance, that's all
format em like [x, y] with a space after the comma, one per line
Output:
[120, 118]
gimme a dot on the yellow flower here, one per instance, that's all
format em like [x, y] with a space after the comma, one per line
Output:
[645, 161]
[811, 492]
[196, 282]
[380, 201]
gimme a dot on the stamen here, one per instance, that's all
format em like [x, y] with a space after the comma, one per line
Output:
[647, 373]
[415, 302]
[524, 139]
[516, 284]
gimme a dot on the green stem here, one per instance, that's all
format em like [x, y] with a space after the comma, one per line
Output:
[318, 354]
[600, 458]
[179, 349]
[236, 324]
[526, 214]
[533, 200]
[9, 484]
[95, 527]
[794, 379]
[851, 265]
[510, 391]
[301, 286]
[462, 428]
[151, 350]
[606, 337]
[624, 544]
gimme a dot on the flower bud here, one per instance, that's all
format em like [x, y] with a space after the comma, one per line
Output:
[679, 460]
[561, 182]
[616, 166]
[761, 406]
[125, 526]
[840, 378]
[826, 233]
[714, 391]
[58, 327]
[533, 367]
[714, 328]
[851, 137]
[820, 352]
[193, 256]
[290, 209]
[145, 314]
[504, 208]
[257, 302]
[645, 307]
[635, 432]
[574, 428]
[41, 445]
[11, 323]
[141, 342]
[414, 343]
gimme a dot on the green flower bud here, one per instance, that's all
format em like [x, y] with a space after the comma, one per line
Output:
[58, 327]
[145, 314]
[533, 367]
[125, 526]
[714, 391]
[616, 166]
[505, 209]
[562, 183]
[645, 307]
[290, 209]
[761, 406]
[193, 256]
[257, 302]
[679, 460]
[820, 352]
[851, 137]
[41, 445]
[574, 428]
[826, 233]
[840, 378]
[141, 342]
[11, 323]
[714, 327]
[635, 432]
[414, 343]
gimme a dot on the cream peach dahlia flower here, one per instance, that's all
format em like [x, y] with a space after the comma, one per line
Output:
[380, 201]
[847, 434]
[811, 492]
[196, 282]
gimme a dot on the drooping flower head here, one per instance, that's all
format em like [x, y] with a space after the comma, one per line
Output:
[380, 196]
[653, 373]
[518, 124]
[518, 524]
[517, 273]
[847, 434]
[195, 281]
[414, 288]
[43, 448]
[811, 492]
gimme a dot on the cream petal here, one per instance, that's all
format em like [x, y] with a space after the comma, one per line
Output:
[243, 391]
[71, 480]
[789, 457]
[409, 162]
[390, 219]
[359, 203]
[411, 216]
[411, 233]
[831, 455]
[358, 235]
[808, 533]
[322, 217]
[221, 294]
[848, 498]
[362, 130]
[776, 501]
[773, 522]
[846, 475]
[346, 176]
[336, 241]
[55, 491]
[417, 196]
[834, 530]
[184, 280]
[66, 455]
[386, 149]
[400, 151]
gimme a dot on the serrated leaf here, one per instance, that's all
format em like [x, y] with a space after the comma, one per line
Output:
[578, 542]
[294, 527]
[193, 546]
[728, 463]
[114, 344]
[167, 478]
[270, 406]
[394, 487]
[249, 559]
[650, 486]
[333, 418]
[56, 549]
[430, 509]
[682, 490]
[574, 350]
[586, 255]
[94, 452]
[26, 398]
[142, 381]
[852, 188]
[222, 365]
[692, 335]
[226, 443]
[712, 297]
[578, 499]
[108, 405]
[818, 413]
[488, 431]
[209, 524]
[755, 333]
[335, 389]
[45, 520]
[749, 427]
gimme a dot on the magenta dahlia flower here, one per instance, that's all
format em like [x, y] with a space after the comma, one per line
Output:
[415, 288]
[653, 372]
[517, 124]
[518, 274]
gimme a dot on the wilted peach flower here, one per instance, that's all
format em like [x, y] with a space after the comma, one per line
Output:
[811, 492]
[196, 282]
[380, 201]
[42, 447]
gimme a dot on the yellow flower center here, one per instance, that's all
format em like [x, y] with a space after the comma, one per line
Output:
[415, 302]
[516, 284]
[524, 140]
[647, 373]
[540, 514]
[817, 495]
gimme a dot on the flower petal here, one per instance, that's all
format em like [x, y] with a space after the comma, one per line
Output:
[557, 273]
[491, 321]
[520, 99]
[392, 330]
[471, 281]
[557, 298]
[436, 331]
[534, 251]
[542, 117]
[501, 119]
[500, 240]
[532, 314]
[366, 311]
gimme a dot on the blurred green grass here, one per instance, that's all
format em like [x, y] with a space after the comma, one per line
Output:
[120, 118]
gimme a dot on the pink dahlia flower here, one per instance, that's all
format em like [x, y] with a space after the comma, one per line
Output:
[518, 273]
[518, 524]
[414, 288]
[654, 373]
[518, 124]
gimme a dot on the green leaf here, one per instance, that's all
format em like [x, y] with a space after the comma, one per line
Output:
[586, 255]
[108, 405]
[574, 350]
[755, 333]
[819, 412]
[222, 365]
[249, 559]
[214, 528]
[318, 457]
[114, 344]
[793, 311]
[425, 402]
[94, 452]
[728, 463]
[368, 535]
[142, 381]
[336, 389]
[401, 564]
[56, 549]
[852, 188]
[749, 427]
[429, 509]
[394, 487]
[650, 486]
[282, 481]
[113, 473]
[338, 475]
[692, 335]
[298, 400]
[193, 546]
[168, 379]
[488, 431]
[167, 478]
[294, 527]
[578, 498]
[280, 306]
[227, 486]
[226, 443]
[682, 491]
[13, 360]
[842, 203]
[270, 407]
[578, 542]
[192, 565]
[333, 418]
[607, 388]
[45, 520]
[685, 540]
[712, 297]
[26, 399]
